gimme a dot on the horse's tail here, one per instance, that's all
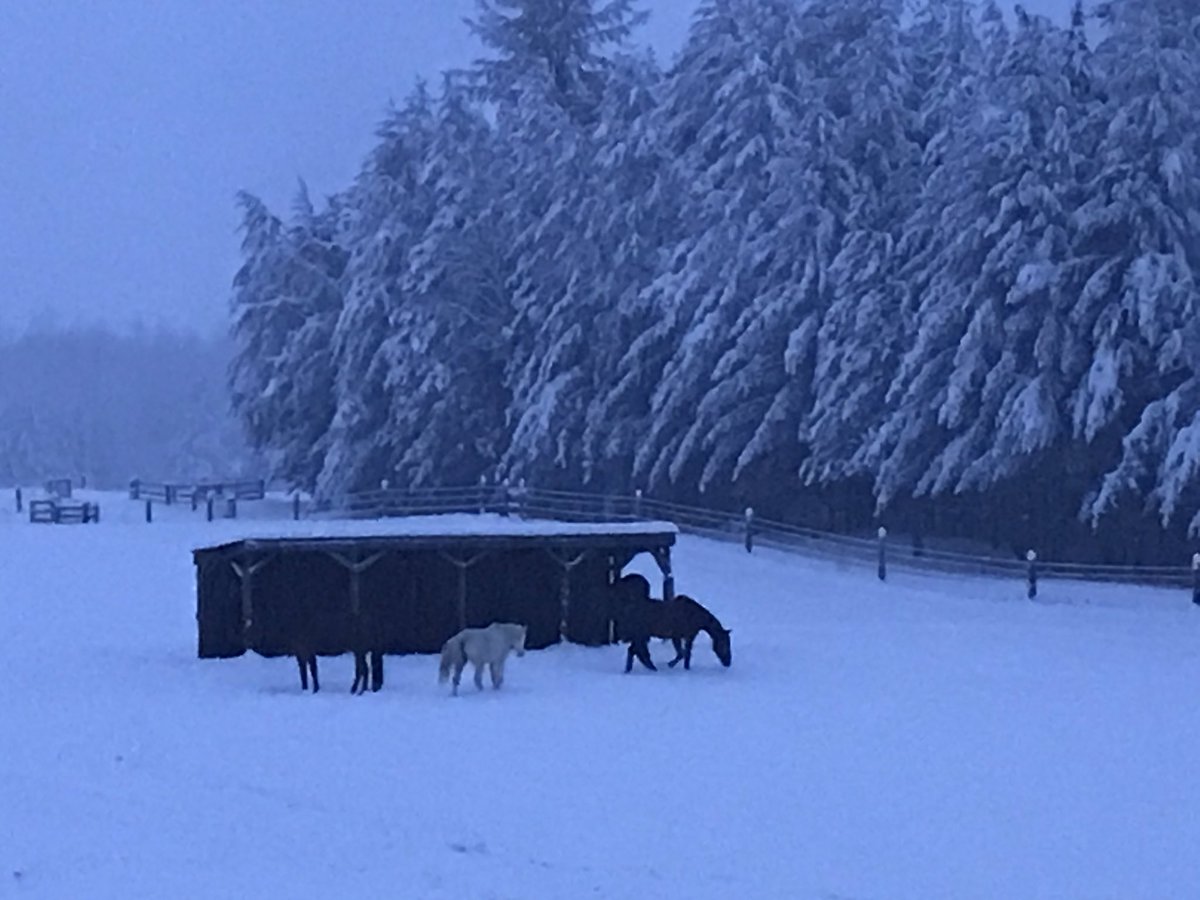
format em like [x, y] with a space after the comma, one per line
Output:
[452, 652]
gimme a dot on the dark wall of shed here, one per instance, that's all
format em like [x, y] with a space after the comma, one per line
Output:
[301, 604]
[516, 586]
[410, 601]
[218, 610]
[589, 604]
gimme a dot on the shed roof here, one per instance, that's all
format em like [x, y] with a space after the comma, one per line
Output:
[458, 530]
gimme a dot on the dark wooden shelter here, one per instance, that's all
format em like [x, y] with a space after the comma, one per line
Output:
[409, 592]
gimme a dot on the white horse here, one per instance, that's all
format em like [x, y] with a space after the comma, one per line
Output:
[482, 646]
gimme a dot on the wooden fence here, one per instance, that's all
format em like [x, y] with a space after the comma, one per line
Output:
[60, 512]
[880, 551]
[196, 492]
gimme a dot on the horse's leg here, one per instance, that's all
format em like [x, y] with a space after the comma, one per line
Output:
[678, 652]
[300, 663]
[497, 670]
[458, 670]
[360, 673]
[687, 651]
[312, 665]
[642, 651]
[629, 658]
[479, 676]
[376, 670]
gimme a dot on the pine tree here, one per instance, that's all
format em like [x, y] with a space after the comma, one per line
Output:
[386, 215]
[862, 332]
[286, 299]
[445, 351]
[556, 48]
[734, 116]
[547, 79]
[1138, 309]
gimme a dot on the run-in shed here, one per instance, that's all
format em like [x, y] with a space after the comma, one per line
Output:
[407, 585]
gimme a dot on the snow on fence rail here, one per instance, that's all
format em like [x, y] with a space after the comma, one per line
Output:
[744, 527]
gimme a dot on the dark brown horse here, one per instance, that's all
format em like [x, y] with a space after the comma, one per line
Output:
[638, 618]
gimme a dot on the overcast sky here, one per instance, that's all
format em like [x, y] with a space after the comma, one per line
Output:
[126, 126]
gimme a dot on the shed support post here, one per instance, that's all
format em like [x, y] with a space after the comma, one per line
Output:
[564, 591]
[662, 556]
[245, 571]
[462, 565]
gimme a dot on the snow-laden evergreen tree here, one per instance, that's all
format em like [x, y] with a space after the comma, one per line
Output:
[548, 158]
[981, 391]
[445, 350]
[862, 329]
[386, 214]
[286, 300]
[558, 48]
[547, 77]
[1138, 310]
[637, 193]
[736, 113]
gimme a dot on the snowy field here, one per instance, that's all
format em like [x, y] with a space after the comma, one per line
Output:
[927, 738]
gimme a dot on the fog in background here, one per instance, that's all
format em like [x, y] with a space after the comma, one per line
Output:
[89, 402]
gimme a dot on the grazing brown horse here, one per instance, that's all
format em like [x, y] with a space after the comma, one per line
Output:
[639, 618]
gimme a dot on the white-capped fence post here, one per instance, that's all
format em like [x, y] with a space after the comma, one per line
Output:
[749, 529]
[505, 498]
[483, 492]
[296, 506]
[1196, 578]
[209, 500]
[1031, 558]
[882, 571]
[637, 503]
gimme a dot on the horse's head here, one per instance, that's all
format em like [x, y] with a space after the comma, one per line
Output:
[722, 645]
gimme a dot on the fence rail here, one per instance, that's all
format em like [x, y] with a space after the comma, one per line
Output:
[197, 491]
[744, 527]
[62, 512]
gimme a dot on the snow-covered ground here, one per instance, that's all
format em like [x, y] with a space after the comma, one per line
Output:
[925, 738]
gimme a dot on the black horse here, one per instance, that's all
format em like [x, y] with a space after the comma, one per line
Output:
[638, 618]
[305, 630]
[368, 669]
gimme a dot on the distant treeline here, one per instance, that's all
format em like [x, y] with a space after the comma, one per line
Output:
[112, 406]
[932, 261]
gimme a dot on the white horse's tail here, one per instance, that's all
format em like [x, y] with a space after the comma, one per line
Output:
[452, 652]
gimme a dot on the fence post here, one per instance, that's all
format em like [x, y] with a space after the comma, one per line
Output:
[882, 553]
[505, 498]
[208, 507]
[195, 500]
[1196, 578]
[149, 511]
[483, 492]
[296, 506]
[20, 503]
[170, 492]
[637, 503]
[135, 489]
[232, 508]
[749, 529]
[1031, 558]
[521, 499]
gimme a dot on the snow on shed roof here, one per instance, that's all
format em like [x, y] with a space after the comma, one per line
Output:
[457, 527]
